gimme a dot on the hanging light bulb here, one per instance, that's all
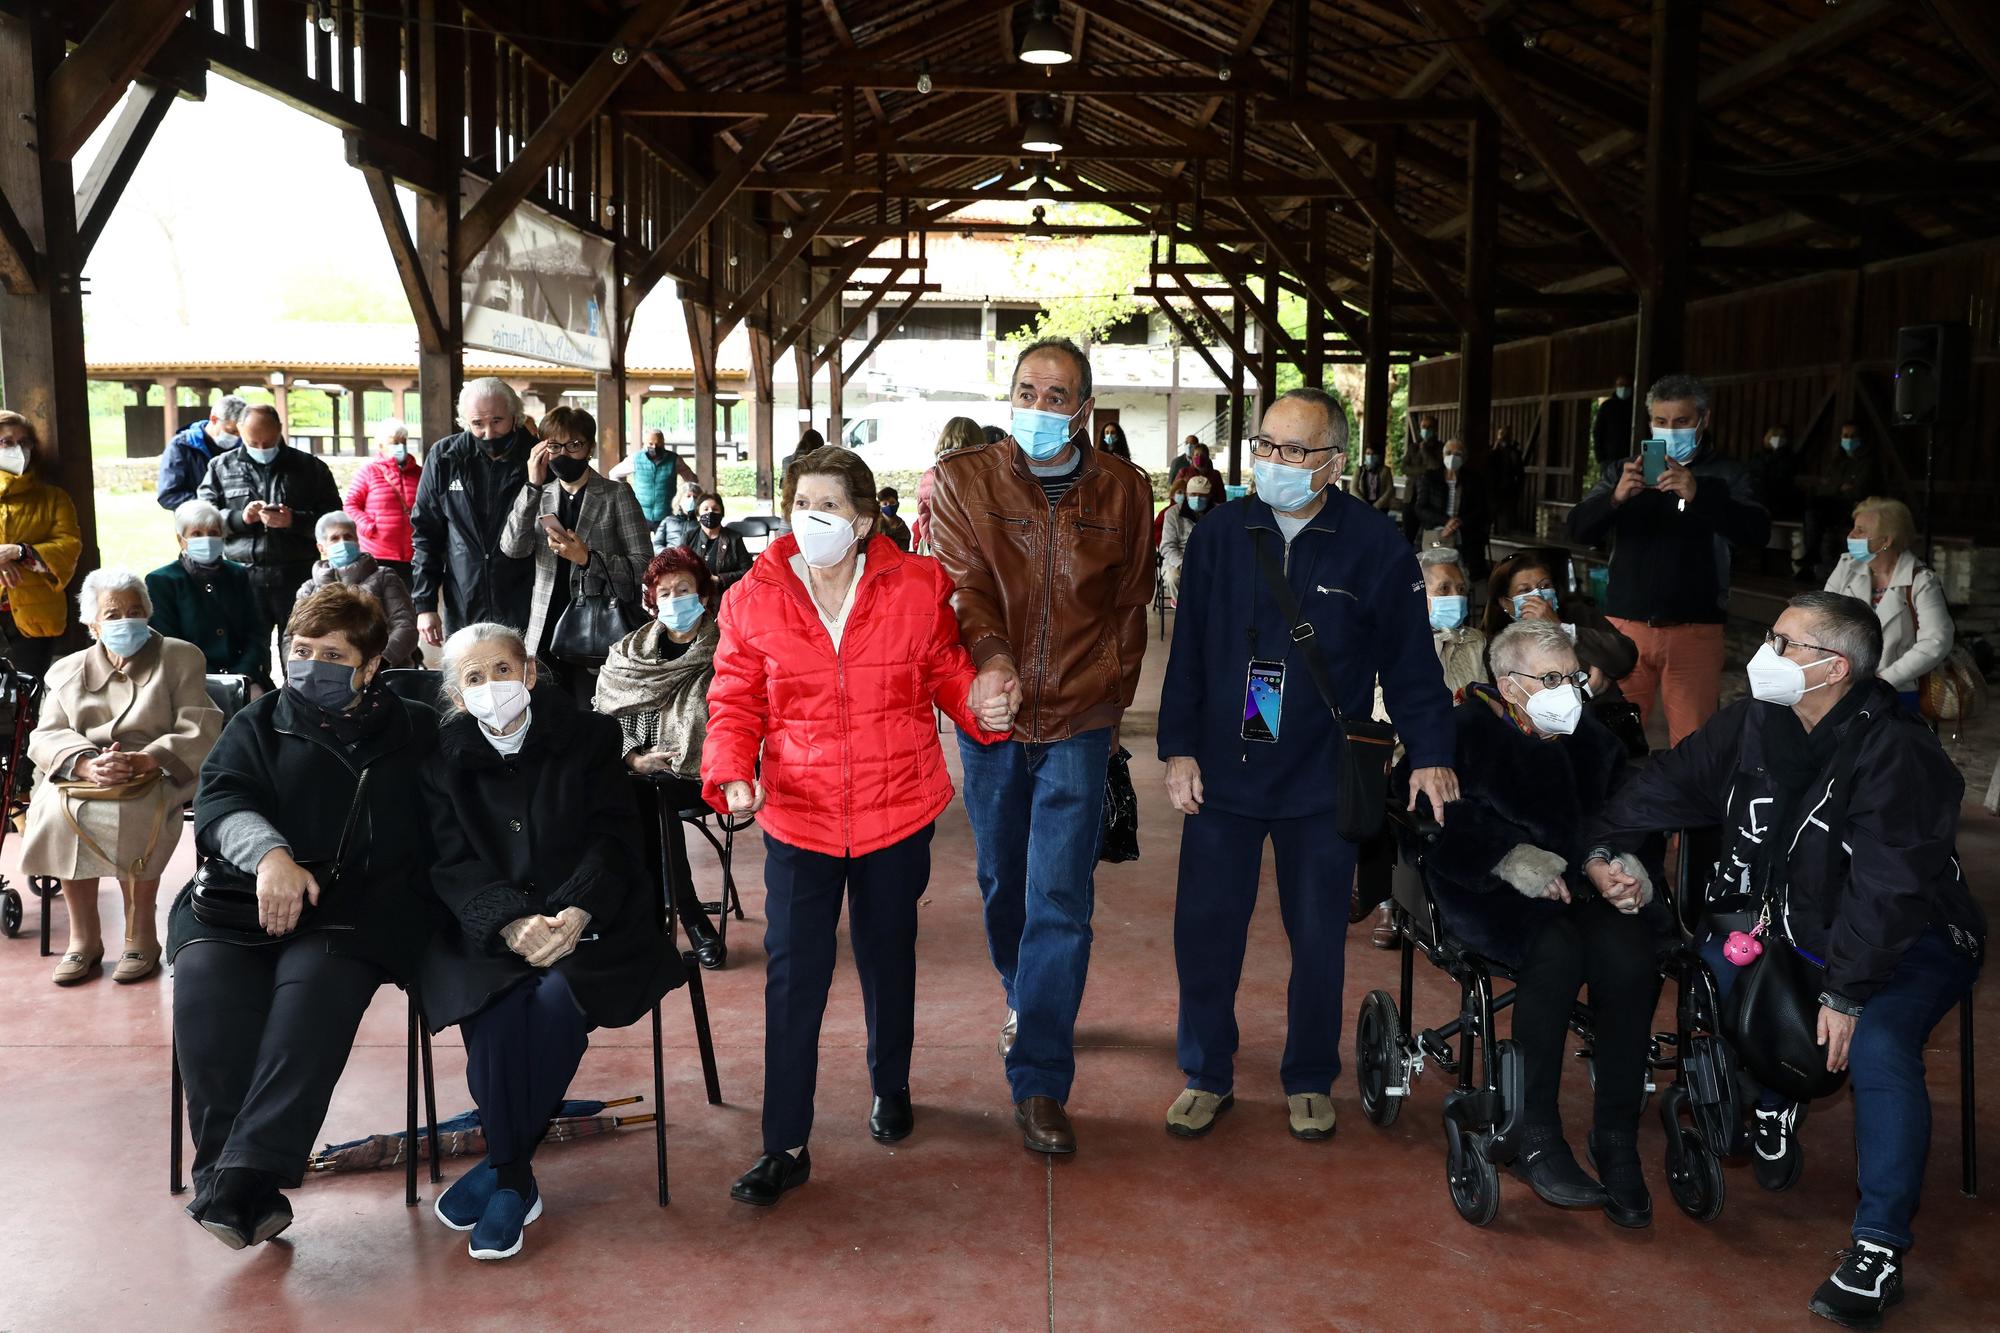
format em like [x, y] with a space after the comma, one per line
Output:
[923, 76]
[1039, 193]
[1039, 134]
[1038, 230]
[620, 56]
[1043, 43]
[326, 23]
[788, 231]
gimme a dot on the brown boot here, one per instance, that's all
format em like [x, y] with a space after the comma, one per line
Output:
[1045, 1126]
[1384, 935]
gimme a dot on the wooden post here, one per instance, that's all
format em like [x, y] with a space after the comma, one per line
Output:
[1381, 300]
[1482, 234]
[763, 403]
[802, 360]
[41, 329]
[1314, 370]
[614, 435]
[701, 342]
[1236, 399]
[440, 369]
[1670, 119]
[835, 391]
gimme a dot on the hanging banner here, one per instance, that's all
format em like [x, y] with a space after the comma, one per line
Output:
[539, 289]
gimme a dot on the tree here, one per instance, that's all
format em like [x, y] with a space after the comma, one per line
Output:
[1084, 283]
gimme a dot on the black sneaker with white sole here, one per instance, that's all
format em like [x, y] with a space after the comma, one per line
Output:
[1777, 1157]
[1868, 1281]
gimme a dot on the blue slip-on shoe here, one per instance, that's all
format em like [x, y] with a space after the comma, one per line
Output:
[498, 1235]
[460, 1206]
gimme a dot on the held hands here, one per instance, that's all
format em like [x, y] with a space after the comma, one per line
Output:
[283, 889]
[114, 766]
[995, 695]
[544, 941]
[1618, 886]
[1631, 480]
[539, 466]
[1677, 480]
[1439, 784]
[430, 628]
[1836, 1033]
[745, 798]
[11, 556]
[1184, 784]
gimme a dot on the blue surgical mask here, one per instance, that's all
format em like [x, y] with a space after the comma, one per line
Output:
[1623, 391]
[330, 685]
[1286, 489]
[204, 550]
[123, 638]
[341, 554]
[1041, 435]
[680, 613]
[1453, 462]
[399, 452]
[1371, 460]
[264, 456]
[1849, 443]
[1426, 433]
[1857, 550]
[1682, 441]
[1447, 612]
[1197, 503]
[1546, 594]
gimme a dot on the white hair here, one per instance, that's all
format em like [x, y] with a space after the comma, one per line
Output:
[1433, 556]
[195, 514]
[1525, 640]
[386, 433]
[460, 643]
[488, 386]
[100, 581]
[230, 409]
[331, 519]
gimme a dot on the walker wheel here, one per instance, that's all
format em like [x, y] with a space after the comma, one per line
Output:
[1697, 1187]
[10, 912]
[45, 887]
[1378, 1057]
[1474, 1182]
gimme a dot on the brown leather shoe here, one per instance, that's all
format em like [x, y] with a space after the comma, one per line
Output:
[1384, 935]
[1045, 1126]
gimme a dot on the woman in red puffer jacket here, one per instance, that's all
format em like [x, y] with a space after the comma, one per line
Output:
[380, 497]
[832, 655]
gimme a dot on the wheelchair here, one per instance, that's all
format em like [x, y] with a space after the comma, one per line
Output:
[1699, 1108]
[23, 693]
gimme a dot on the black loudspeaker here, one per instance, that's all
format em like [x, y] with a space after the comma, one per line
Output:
[1933, 373]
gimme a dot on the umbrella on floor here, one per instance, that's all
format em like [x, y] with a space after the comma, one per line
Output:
[463, 1136]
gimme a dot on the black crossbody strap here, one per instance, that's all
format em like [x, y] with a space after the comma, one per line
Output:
[1301, 628]
[353, 817]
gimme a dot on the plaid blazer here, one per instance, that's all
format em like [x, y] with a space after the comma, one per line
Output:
[610, 524]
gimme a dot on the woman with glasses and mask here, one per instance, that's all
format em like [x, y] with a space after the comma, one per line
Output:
[1507, 872]
[720, 549]
[587, 535]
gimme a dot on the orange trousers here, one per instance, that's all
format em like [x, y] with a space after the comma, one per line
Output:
[1682, 664]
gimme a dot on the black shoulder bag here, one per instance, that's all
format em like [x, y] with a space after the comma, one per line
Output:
[1362, 750]
[225, 897]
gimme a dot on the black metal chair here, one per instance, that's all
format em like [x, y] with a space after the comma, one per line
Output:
[418, 1052]
[721, 836]
[756, 530]
[417, 685]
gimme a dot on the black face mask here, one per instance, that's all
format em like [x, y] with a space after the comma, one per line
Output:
[567, 468]
[497, 446]
[711, 521]
[656, 450]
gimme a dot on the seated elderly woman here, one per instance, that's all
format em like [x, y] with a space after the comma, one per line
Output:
[720, 549]
[203, 599]
[341, 560]
[1193, 499]
[1524, 588]
[655, 682]
[124, 728]
[1880, 569]
[1508, 874]
[552, 930]
[271, 980]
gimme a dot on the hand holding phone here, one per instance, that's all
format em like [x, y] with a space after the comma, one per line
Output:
[552, 526]
[1653, 459]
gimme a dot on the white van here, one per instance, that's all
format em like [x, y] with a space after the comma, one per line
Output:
[903, 436]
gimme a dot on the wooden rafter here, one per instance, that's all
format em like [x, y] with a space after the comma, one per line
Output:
[111, 170]
[1973, 24]
[20, 261]
[1307, 274]
[787, 254]
[1188, 336]
[707, 205]
[431, 332]
[902, 313]
[90, 80]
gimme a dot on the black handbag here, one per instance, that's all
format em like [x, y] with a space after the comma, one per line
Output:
[1119, 833]
[1364, 746]
[590, 625]
[225, 897]
[1776, 1028]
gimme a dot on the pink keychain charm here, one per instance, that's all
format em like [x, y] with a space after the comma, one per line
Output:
[1742, 948]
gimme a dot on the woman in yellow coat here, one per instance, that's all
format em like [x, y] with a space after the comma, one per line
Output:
[39, 546]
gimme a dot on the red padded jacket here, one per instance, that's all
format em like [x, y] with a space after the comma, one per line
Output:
[379, 500]
[851, 760]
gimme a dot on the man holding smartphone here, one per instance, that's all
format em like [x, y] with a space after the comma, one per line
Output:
[1670, 540]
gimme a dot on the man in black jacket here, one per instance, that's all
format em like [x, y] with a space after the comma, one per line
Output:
[185, 461]
[1611, 428]
[469, 485]
[270, 495]
[1669, 589]
[1841, 810]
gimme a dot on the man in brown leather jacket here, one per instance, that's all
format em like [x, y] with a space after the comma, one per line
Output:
[1049, 543]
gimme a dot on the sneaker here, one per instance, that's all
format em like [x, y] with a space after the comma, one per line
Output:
[1779, 1158]
[461, 1206]
[1311, 1115]
[1868, 1281]
[1008, 1030]
[1627, 1201]
[497, 1235]
[1550, 1168]
[1194, 1112]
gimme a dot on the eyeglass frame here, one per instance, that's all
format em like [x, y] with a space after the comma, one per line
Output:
[569, 449]
[1555, 679]
[1263, 446]
[1772, 640]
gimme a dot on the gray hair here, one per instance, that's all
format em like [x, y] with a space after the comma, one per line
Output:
[1434, 556]
[1336, 415]
[195, 514]
[459, 644]
[1067, 348]
[1848, 626]
[387, 432]
[230, 409]
[331, 519]
[1525, 640]
[488, 386]
[100, 581]
[261, 410]
[1678, 389]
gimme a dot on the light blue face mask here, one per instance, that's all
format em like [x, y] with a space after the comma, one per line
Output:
[1546, 594]
[681, 613]
[1849, 443]
[204, 550]
[1286, 489]
[1447, 612]
[264, 456]
[1857, 550]
[1682, 441]
[1042, 435]
[123, 638]
[341, 554]
[1197, 503]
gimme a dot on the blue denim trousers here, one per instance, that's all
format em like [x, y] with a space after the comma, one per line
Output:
[1037, 813]
[1892, 1107]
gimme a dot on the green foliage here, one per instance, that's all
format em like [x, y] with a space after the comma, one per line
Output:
[1101, 272]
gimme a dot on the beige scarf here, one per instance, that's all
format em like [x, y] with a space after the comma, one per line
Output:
[636, 679]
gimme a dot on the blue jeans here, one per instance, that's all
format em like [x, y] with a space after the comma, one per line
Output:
[1037, 813]
[1892, 1107]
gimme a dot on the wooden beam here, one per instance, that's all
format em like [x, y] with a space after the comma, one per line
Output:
[91, 79]
[710, 202]
[1307, 274]
[1231, 333]
[1476, 329]
[1367, 110]
[664, 102]
[1188, 336]
[567, 119]
[115, 162]
[1010, 149]
[1897, 178]
[1022, 79]
[431, 331]
[915, 39]
[1972, 23]
[1522, 110]
[854, 320]
[1375, 393]
[20, 261]
[803, 232]
[882, 331]
[1661, 345]
[820, 299]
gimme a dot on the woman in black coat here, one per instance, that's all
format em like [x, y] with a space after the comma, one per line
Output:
[1507, 871]
[264, 1017]
[554, 929]
[1523, 587]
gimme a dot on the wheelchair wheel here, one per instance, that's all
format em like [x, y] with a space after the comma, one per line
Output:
[1378, 1057]
[10, 913]
[1474, 1181]
[1698, 1186]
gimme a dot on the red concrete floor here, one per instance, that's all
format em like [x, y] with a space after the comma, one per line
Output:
[958, 1228]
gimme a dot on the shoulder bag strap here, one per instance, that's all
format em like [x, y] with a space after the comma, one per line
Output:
[1301, 628]
[353, 817]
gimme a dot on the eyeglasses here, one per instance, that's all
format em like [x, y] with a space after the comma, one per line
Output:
[1556, 679]
[575, 448]
[1782, 644]
[1263, 446]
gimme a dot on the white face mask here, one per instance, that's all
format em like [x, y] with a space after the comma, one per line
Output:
[13, 459]
[1780, 680]
[1555, 712]
[824, 539]
[497, 703]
